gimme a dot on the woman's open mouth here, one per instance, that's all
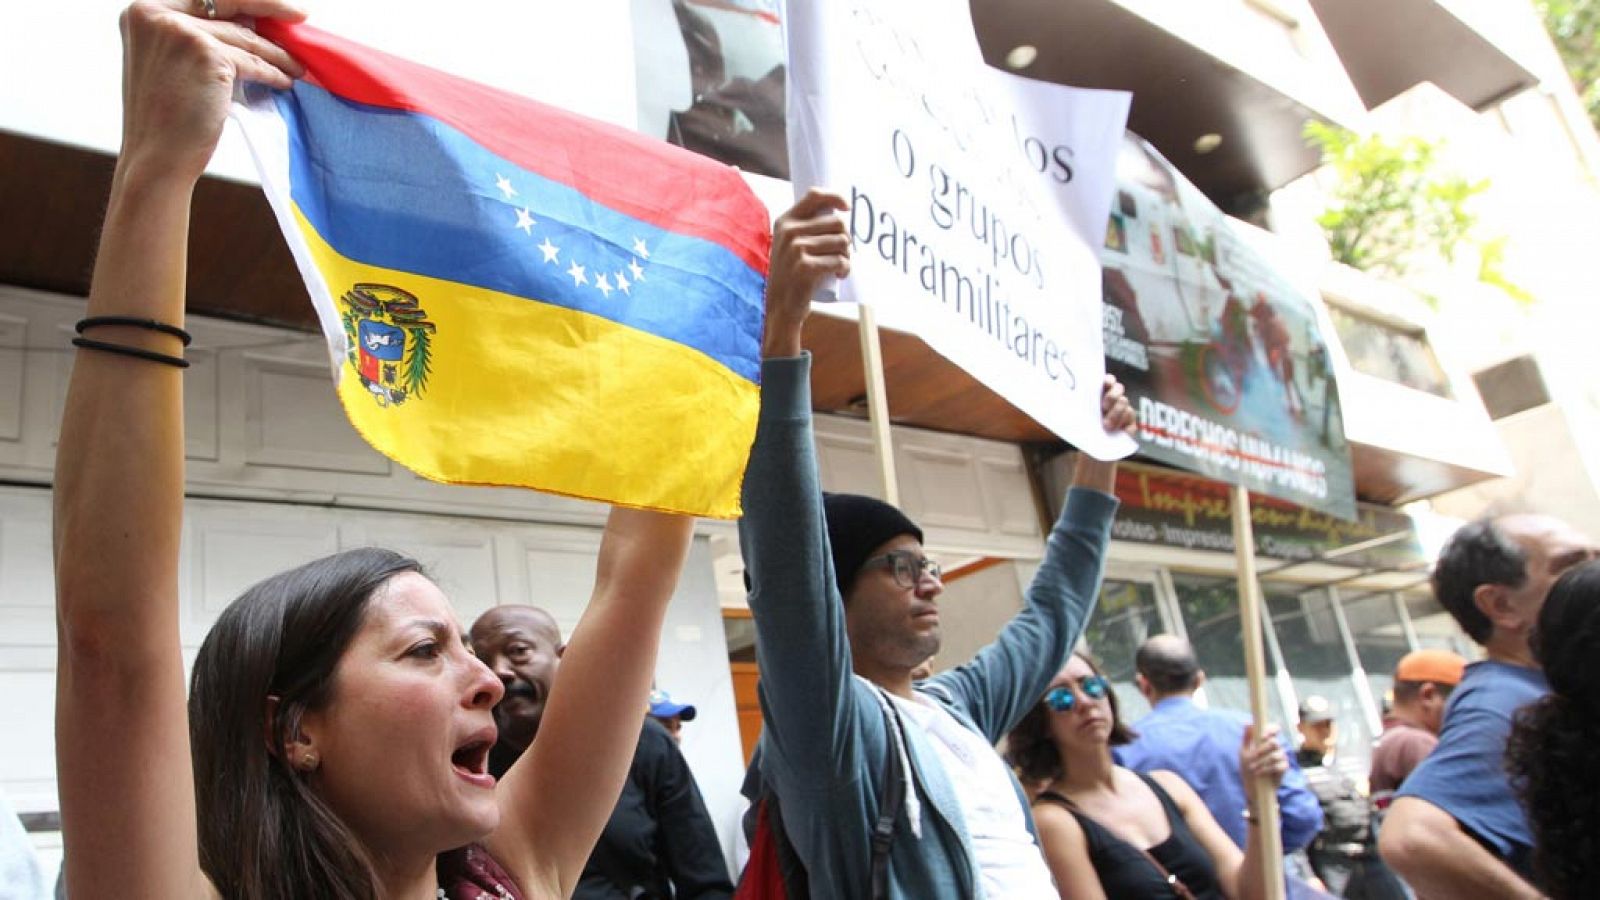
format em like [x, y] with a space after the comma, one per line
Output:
[471, 762]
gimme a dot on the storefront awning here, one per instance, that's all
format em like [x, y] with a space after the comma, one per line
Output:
[55, 196]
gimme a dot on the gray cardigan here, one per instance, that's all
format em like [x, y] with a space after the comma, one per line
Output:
[824, 742]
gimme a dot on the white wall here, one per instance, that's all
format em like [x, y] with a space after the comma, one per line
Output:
[972, 610]
[277, 477]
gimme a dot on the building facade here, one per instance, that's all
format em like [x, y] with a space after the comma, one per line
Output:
[1221, 87]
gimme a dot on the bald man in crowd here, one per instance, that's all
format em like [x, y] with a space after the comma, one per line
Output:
[522, 644]
[659, 841]
[1202, 745]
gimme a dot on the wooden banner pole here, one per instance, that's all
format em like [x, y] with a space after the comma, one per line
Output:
[878, 403]
[1255, 663]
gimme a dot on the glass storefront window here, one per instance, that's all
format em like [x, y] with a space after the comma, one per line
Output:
[1311, 649]
[1210, 608]
[1315, 655]
[1437, 629]
[1382, 350]
[1124, 618]
[1380, 639]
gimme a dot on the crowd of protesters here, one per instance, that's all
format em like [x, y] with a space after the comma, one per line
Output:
[342, 737]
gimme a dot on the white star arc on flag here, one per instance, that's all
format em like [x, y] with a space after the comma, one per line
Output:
[504, 184]
[576, 271]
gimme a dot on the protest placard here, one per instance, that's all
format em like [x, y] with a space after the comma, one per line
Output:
[978, 198]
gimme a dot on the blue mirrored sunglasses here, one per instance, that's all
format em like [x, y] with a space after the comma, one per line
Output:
[1063, 698]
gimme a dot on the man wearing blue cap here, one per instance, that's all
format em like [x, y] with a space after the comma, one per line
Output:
[670, 715]
[845, 603]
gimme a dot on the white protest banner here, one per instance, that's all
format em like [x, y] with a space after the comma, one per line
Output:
[979, 199]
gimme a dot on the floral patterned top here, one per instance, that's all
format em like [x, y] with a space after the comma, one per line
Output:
[470, 873]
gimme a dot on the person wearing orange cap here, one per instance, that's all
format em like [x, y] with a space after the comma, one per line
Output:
[1423, 680]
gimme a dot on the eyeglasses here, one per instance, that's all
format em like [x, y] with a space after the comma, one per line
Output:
[1063, 698]
[907, 567]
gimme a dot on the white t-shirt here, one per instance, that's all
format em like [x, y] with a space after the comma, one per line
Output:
[20, 875]
[1010, 864]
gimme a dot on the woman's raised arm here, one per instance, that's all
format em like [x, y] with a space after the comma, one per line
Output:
[122, 735]
[556, 799]
[1238, 873]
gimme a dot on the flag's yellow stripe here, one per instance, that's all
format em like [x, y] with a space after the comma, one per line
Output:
[531, 394]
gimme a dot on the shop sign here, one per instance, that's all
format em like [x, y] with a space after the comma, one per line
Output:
[1173, 509]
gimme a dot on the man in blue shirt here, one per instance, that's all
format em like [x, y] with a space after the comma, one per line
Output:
[1202, 745]
[1456, 829]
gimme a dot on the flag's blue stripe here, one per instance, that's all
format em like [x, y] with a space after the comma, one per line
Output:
[404, 191]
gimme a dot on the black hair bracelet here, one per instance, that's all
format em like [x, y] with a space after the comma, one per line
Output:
[124, 350]
[133, 322]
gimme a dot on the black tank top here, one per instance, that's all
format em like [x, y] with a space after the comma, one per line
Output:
[1125, 873]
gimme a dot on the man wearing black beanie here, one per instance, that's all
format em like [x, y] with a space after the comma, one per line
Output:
[845, 602]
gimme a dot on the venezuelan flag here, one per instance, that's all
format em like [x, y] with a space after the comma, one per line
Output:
[514, 294]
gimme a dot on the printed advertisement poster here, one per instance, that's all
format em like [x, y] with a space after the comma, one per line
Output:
[978, 198]
[711, 78]
[1222, 355]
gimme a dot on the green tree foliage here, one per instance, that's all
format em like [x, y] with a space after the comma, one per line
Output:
[1390, 203]
[1575, 27]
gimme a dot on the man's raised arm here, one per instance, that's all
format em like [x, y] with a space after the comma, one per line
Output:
[801, 644]
[1008, 676]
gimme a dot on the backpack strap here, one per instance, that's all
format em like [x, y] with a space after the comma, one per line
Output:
[791, 870]
[894, 796]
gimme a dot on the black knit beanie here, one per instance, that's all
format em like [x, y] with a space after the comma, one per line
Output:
[857, 526]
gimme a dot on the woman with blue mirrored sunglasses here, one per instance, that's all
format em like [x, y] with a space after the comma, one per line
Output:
[1062, 697]
[1107, 831]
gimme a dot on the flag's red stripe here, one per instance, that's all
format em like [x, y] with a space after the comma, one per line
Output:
[648, 179]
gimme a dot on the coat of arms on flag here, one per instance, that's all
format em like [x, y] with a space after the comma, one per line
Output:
[389, 338]
[512, 294]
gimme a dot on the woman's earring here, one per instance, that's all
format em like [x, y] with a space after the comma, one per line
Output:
[308, 762]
